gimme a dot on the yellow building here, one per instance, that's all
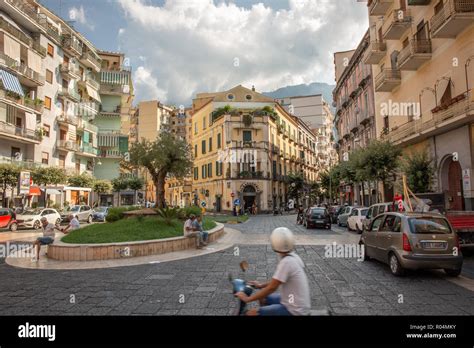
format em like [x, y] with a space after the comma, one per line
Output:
[420, 53]
[245, 145]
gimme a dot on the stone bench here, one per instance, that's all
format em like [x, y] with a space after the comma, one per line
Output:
[108, 251]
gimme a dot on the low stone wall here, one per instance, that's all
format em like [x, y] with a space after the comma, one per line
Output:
[107, 251]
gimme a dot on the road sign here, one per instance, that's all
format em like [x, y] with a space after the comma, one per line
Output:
[203, 204]
[232, 194]
[237, 201]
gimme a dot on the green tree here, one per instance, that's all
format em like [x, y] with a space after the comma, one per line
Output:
[101, 187]
[44, 176]
[9, 174]
[119, 184]
[135, 183]
[165, 156]
[330, 181]
[419, 169]
[295, 186]
[81, 180]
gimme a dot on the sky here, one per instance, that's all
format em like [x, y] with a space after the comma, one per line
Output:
[178, 48]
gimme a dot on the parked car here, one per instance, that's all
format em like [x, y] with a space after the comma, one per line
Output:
[8, 219]
[413, 241]
[30, 218]
[344, 215]
[100, 213]
[355, 220]
[374, 211]
[334, 212]
[317, 216]
[82, 212]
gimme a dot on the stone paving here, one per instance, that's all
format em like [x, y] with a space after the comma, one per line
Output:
[200, 286]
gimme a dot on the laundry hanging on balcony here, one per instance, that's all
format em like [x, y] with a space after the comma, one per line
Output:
[11, 83]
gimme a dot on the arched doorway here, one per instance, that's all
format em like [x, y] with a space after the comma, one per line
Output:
[451, 178]
[249, 195]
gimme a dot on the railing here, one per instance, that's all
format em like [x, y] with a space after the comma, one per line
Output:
[377, 46]
[414, 47]
[110, 154]
[450, 7]
[92, 81]
[69, 93]
[374, 3]
[262, 145]
[115, 110]
[72, 120]
[83, 125]
[88, 148]
[68, 68]
[387, 74]
[36, 104]
[22, 37]
[251, 175]
[68, 145]
[21, 68]
[25, 163]
[399, 17]
[19, 131]
[87, 55]
[70, 42]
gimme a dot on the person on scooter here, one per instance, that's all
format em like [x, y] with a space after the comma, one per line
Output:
[299, 218]
[290, 277]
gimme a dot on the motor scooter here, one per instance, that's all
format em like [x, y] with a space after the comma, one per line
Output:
[241, 285]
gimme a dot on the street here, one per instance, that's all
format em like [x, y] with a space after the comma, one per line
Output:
[200, 286]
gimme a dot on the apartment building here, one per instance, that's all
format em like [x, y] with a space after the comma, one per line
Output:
[245, 145]
[312, 109]
[420, 52]
[355, 112]
[49, 94]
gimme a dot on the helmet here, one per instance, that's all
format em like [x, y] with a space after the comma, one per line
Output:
[282, 240]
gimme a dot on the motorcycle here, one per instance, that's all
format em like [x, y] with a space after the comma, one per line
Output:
[241, 285]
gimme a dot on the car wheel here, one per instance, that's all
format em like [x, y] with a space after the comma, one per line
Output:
[453, 272]
[13, 227]
[37, 225]
[366, 257]
[89, 219]
[395, 266]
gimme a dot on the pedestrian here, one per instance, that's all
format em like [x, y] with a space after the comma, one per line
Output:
[189, 231]
[73, 224]
[197, 227]
[254, 209]
[48, 236]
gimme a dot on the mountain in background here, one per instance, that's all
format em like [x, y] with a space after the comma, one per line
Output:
[301, 90]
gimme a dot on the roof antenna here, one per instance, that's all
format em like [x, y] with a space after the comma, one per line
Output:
[253, 88]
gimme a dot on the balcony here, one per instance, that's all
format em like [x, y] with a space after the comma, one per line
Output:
[26, 75]
[418, 2]
[23, 135]
[69, 70]
[90, 80]
[67, 145]
[365, 117]
[414, 55]
[111, 112]
[398, 24]
[23, 103]
[87, 150]
[114, 89]
[453, 18]
[90, 60]
[70, 94]
[71, 45]
[251, 175]
[83, 125]
[18, 34]
[110, 153]
[354, 125]
[253, 145]
[379, 7]
[387, 80]
[375, 52]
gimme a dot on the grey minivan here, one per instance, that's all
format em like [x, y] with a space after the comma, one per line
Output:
[413, 241]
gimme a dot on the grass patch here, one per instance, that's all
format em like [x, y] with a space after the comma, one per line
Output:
[130, 230]
[227, 218]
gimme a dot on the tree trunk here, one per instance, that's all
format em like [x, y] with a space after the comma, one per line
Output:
[363, 193]
[159, 182]
[376, 191]
[4, 196]
[118, 198]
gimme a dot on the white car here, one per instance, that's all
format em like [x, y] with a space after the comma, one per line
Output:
[355, 220]
[31, 218]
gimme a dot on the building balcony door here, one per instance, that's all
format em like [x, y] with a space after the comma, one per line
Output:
[455, 197]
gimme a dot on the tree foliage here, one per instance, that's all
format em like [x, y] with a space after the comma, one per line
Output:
[81, 180]
[49, 176]
[419, 169]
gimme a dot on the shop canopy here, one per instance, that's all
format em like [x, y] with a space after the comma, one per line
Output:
[34, 191]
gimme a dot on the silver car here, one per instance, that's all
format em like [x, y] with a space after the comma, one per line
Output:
[82, 212]
[374, 211]
[344, 215]
[413, 241]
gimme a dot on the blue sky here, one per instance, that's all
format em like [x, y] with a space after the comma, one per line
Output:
[178, 48]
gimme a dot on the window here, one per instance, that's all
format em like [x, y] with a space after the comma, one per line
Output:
[209, 170]
[47, 103]
[50, 50]
[376, 223]
[195, 128]
[46, 130]
[230, 96]
[203, 147]
[195, 151]
[248, 97]
[49, 76]
[203, 171]
[391, 224]
[15, 153]
[219, 140]
[196, 173]
[218, 168]
[247, 136]
[210, 144]
[204, 122]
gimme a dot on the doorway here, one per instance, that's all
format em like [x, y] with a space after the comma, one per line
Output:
[249, 197]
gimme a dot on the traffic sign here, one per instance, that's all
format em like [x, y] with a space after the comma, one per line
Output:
[203, 204]
[237, 201]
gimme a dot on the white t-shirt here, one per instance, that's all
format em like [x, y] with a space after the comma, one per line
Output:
[74, 223]
[48, 230]
[294, 290]
[188, 224]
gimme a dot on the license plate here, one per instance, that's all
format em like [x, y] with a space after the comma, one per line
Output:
[433, 245]
[319, 221]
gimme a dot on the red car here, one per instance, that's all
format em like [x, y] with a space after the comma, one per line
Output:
[8, 219]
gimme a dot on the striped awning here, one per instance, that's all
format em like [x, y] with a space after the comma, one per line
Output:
[11, 83]
[93, 93]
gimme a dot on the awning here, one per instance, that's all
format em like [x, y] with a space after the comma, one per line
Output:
[34, 191]
[11, 83]
[53, 192]
[93, 93]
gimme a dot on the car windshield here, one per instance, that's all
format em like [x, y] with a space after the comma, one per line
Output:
[100, 210]
[32, 212]
[317, 211]
[75, 208]
[363, 212]
[429, 225]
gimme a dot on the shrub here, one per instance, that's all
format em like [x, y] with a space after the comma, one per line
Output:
[185, 212]
[116, 213]
[168, 214]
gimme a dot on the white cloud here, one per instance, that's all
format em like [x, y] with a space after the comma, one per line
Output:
[192, 46]
[79, 15]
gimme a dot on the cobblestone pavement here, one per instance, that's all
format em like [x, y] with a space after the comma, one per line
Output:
[200, 286]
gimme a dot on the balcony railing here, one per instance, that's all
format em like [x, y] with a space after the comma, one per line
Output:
[11, 129]
[454, 17]
[22, 69]
[418, 2]
[18, 34]
[90, 58]
[397, 25]
[387, 80]
[414, 54]
[71, 44]
[69, 93]
[67, 145]
[69, 69]
[83, 125]
[110, 153]
[260, 145]
[379, 7]
[375, 52]
[68, 119]
[89, 149]
[36, 105]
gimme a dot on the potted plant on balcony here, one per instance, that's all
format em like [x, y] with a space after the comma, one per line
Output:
[244, 174]
[39, 132]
